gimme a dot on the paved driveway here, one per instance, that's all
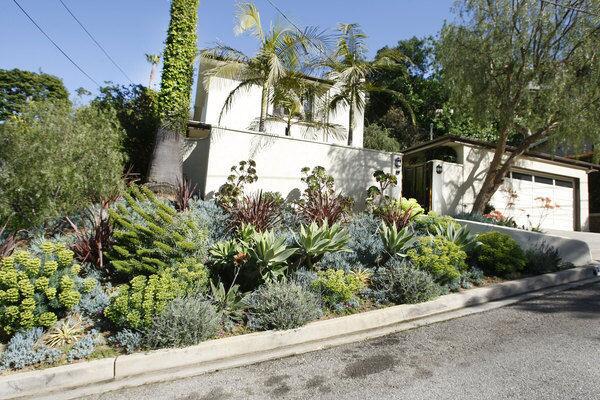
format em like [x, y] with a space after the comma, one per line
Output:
[592, 239]
[547, 348]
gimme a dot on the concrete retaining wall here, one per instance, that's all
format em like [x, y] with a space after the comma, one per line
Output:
[574, 251]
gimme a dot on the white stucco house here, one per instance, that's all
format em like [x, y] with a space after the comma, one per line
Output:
[543, 190]
[217, 142]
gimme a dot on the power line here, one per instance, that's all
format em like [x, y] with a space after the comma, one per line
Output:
[56, 45]
[95, 41]
[576, 9]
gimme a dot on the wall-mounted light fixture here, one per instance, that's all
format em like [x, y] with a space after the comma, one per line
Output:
[439, 169]
[397, 162]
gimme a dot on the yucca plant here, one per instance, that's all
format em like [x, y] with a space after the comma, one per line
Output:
[316, 240]
[396, 241]
[459, 235]
[270, 254]
[65, 332]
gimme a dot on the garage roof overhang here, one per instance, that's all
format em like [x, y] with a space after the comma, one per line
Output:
[444, 140]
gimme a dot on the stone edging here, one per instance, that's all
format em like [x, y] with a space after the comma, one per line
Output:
[97, 376]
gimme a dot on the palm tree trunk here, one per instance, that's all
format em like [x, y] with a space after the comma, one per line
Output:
[166, 164]
[264, 104]
[152, 75]
[351, 123]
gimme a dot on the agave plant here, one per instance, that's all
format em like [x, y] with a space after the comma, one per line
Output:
[270, 255]
[316, 240]
[396, 241]
[65, 332]
[459, 235]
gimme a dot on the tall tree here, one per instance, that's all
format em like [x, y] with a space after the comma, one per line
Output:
[281, 50]
[525, 67]
[175, 92]
[351, 73]
[153, 60]
[17, 87]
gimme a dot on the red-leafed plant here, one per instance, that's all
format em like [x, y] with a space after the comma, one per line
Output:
[8, 241]
[396, 216]
[262, 211]
[183, 194]
[319, 202]
[92, 244]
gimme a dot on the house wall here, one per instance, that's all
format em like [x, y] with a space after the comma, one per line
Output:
[279, 161]
[245, 111]
[455, 189]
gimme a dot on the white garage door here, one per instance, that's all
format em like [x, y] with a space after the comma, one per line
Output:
[534, 200]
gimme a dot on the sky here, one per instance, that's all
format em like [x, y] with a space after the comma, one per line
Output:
[127, 29]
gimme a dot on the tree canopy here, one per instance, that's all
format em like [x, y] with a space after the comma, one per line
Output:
[17, 87]
[523, 67]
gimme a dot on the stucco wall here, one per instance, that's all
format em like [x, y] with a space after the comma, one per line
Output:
[279, 160]
[456, 188]
[245, 111]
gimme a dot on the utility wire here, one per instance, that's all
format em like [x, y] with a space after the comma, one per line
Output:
[95, 41]
[576, 9]
[55, 44]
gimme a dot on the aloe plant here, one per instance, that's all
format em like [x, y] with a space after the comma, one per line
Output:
[459, 235]
[270, 255]
[396, 241]
[316, 240]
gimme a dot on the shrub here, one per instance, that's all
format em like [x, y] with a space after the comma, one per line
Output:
[93, 303]
[282, 305]
[128, 340]
[426, 224]
[500, 255]
[55, 160]
[24, 350]
[396, 241]
[378, 137]
[230, 303]
[150, 236]
[319, 202]
[443, 259]
[83, 347]
[262, 211]
[337, 286]
[542, 259]
[185, 321]
[314, 241]
[137, 303]
[399, 282]
[35, 291]
[213, 217]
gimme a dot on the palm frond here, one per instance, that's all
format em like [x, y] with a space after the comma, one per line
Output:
[243, 86]
[248, 20]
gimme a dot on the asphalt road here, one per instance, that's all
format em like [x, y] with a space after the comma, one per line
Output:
[548, 348]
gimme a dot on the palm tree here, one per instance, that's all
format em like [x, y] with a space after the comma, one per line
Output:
[281, 50]
[153, 59]
[350, 70]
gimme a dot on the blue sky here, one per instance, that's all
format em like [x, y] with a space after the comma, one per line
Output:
[129, 28]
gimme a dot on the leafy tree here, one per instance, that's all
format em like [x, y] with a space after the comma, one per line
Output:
[136, 109]
[17, 87]
[524, 67]
[276, 63]
[175, 92]
[379, 138]
[56, 160]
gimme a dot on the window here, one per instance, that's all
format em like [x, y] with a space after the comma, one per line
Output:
[567, 184]
[522, 177]
[544, 180]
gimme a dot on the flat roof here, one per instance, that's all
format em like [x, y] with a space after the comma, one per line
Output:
[480, 143]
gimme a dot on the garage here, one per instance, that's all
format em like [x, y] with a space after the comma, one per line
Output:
[536, 200]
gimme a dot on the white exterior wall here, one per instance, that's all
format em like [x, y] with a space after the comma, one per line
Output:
[455, 189]
[245, 111]
[279, 161]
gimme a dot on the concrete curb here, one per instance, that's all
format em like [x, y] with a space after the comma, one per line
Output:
[99, 376]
